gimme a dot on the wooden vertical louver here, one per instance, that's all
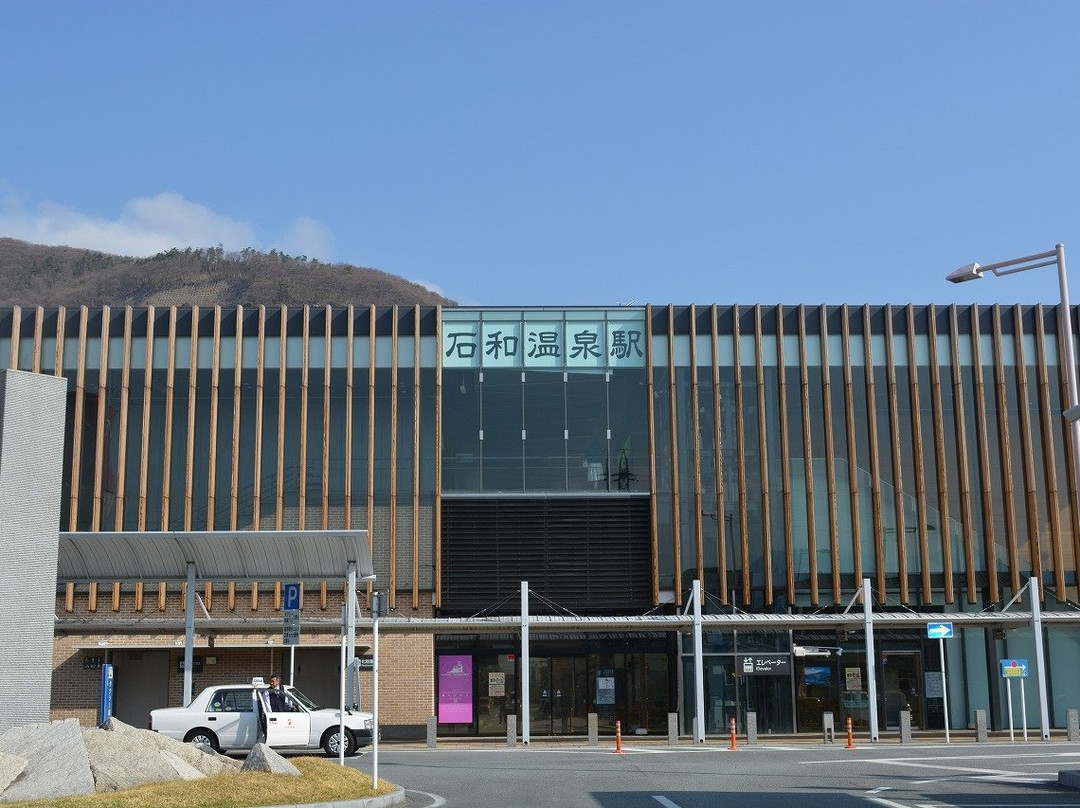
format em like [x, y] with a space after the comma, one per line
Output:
[921, 513]
[1004, 460]
[695, 422]
[1031, 498]
[100, 447]
[673, 427]
[238, 400]
[830, 453]
[170, 399]
[740, 455]
[718, 461]
[1047, 422]
[650, 384]
[193, 373]
[215, 412]
[785, 456]
[80, 412]
[144, 446]
[327, 367]
[808, 459]
[122, 438]
[763, 454]
[393, 453]
[875, 450]
[941, 460]
[852, 447]
[304, 369]
[260, 392]
[438, 457]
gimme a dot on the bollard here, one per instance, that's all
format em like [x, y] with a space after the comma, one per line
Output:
[432, 731]
[980, 726]
[734, 739]
[1072, 725]
[828, 728]
[511, 731]
[905, 726]
[673, 729]
[850, 735]
[618, 737]
[751, 726]
[594, 729]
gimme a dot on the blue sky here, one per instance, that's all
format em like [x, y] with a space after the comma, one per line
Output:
[559, 153]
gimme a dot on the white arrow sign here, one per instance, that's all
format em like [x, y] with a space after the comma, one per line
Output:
[939, 631]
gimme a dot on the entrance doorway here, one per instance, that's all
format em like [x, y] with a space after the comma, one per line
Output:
[559, 705]
[141, 684]
[901, 676]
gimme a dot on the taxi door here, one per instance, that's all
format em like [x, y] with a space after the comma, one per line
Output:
[289, 728]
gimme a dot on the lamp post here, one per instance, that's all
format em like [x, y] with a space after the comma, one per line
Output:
[1055, 257]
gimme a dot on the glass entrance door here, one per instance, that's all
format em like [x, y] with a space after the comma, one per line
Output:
[558, 701]
[902, 674]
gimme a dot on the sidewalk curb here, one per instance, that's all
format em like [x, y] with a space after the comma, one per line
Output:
[384, 801]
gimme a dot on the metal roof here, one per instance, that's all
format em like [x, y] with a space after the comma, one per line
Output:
[255, 555]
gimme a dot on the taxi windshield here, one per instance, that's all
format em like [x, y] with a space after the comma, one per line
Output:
[300, 697]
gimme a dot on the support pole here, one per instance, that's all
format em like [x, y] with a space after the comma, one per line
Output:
[525, 663]
[376, 612]
[699, 668]
[341, 704]
[350, 631]
[189, 632]
[1040, 656]
[871, 665]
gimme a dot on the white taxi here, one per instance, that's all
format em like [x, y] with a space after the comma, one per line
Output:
[229, 717]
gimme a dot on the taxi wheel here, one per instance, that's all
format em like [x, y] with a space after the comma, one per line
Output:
[331, 742]
[203, 737]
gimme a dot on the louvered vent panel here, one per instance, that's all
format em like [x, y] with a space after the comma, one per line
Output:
[587, 555]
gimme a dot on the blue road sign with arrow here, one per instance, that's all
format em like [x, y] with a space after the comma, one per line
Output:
[939, 631]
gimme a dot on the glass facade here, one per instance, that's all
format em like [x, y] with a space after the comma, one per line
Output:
[787, 452]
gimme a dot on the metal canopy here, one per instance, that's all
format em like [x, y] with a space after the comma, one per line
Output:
[226, 555]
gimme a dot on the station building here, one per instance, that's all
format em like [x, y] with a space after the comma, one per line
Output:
[609, 458]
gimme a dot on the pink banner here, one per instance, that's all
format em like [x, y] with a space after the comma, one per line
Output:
[455, 689]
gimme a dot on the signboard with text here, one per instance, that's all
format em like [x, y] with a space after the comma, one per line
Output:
[764, 664]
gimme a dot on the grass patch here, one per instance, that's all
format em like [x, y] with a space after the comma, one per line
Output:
[323, 781]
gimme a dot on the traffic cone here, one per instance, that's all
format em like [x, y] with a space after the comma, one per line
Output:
[850, 735]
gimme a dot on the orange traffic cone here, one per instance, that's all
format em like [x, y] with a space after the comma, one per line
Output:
[734, 742]
[850, 735]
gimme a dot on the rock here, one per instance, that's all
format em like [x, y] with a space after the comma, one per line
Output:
[57, 763]
[11, 766]
[184, 770]
[121, 760]
[206, 761]
[262, 758]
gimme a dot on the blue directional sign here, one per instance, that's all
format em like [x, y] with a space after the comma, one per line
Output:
[1014, 669]
[939, 631]
[292, 597]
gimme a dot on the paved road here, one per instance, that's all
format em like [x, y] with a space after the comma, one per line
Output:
[927, 775]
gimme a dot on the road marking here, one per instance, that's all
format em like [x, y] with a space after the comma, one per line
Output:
[879, 789]
[664, 801]
[436, 800]
[887, 803]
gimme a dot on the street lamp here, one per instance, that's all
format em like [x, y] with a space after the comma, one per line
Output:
[1055, 257]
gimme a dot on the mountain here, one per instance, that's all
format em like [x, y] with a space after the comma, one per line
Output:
[38, 275]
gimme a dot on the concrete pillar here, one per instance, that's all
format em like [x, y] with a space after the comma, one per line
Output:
[673, 729]
[828, 728]
[432, 731]
[1072, 725]
[905, 726]
[751, 726]
[594, 729]
[980, 726]
[32, 409]
[511, 731]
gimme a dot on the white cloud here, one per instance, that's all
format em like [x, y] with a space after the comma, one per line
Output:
[307, 236]
[146, 226]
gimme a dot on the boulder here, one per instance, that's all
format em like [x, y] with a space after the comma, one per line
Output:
[11, 766]
[184, 770]
[206, 761]
[57, 763]
[120, 761]
[262, 758]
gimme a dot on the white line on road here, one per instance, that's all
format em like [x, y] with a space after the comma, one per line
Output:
[879, 789]
[887, 803]
[664, 801]
[436, 800]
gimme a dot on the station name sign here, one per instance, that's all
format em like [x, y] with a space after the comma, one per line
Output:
[524, 339]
